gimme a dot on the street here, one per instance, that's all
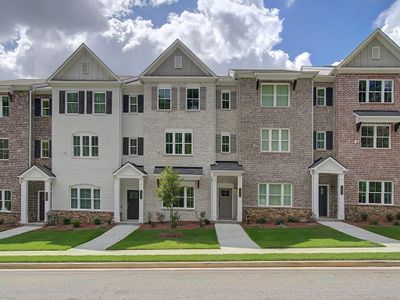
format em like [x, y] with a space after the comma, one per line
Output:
[333, 283]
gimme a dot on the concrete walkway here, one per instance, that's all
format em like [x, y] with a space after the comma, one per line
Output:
[109, 238]
[359, 233]
[18, 230]
[233, 236]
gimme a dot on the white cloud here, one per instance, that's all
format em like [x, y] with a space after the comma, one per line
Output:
[389, 21]
[224, 33]
[289, 3]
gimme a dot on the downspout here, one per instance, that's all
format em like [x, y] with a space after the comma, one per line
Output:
[30, 128]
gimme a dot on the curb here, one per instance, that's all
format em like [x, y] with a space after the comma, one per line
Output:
[204, 265]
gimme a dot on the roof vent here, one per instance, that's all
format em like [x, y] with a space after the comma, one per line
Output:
[85, 68]
[376, 52]
[178, 62]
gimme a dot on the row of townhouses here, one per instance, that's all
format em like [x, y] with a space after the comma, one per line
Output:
[319, 142]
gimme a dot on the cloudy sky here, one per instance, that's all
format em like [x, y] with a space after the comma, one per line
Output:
[37, 36]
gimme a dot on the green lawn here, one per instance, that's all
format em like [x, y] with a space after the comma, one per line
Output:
[200, 238]
[48, 239]
[304, 237]
[388, 231]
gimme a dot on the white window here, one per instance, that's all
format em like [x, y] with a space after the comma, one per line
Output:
[274, 194]
[164, 98]
[133, 146]
[45, 107]
[178, 142]
[72, 103]
[5, 106]
[178, 62]
[225, 143]
[275, 140]
[320, 143]
[275, 95]
[5, 200]
[45, 149]
[321, 97]
[185, 198]
[4, 151]
[375, 136]
[375, 192]
[85, 146]
[85, 198]
[376, 53]
[225, 100]
[133, 104]
[375, 91]
[192, 98]
[99, 103]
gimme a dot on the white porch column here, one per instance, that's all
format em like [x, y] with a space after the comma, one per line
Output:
[141, 196]
[340, 196]
[24, 201]
[47, 199]
[315, 194]
[117, 187]
[239, 198]
[213, 198]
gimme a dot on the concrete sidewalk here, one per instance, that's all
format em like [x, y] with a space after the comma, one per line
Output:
[18, 230]
[109, 238]
[233, 236]
[359, 233]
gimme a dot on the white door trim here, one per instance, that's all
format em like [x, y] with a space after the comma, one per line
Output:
[328, 200]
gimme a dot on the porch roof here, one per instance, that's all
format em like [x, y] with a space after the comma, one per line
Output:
[328, 165]
[181, 170]
[377, 116]
[37, 172]
[226, 166]
[136, 168]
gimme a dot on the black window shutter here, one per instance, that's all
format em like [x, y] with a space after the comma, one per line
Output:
[315, 140]
[38, 107]
[81, 102]
[315, 96]
[109, 102]
[50, 107]
[140, 146]
[125, 146]
[50, 151]
[89, 102]
[329, 140]
[329, 96]
[125, 103]
[37, 149]
[140, 103]
[62, 102]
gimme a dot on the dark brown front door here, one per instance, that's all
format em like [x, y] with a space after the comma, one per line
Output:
[133, 204]
[323, 200]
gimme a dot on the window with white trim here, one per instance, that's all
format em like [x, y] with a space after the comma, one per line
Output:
[225, 143]
[45, 149]
[192, 98]
[376, 53]
[185, 198]
[72, 103]
[133, 146]
[320, 143]
[5, 106]
[99, 103]
[375, 136]
[85, 146]
[133, 104]
[178, 142]
[178, 62]
[85, 198]
[375, 91]
[5, 200]
[375, 192]
[45, 107]
[4, 151]
[274, 194]
[321, 97]
[275, 140]
[225, 100]
[164, 98]
[275, 95]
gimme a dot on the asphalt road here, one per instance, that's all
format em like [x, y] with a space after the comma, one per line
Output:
[202, 284]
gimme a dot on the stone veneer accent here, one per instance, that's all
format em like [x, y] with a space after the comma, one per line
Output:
[251, 214]
[83, 216]
[353, 212]
[9, 217]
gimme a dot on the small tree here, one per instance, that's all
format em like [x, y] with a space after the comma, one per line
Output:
[168, 191]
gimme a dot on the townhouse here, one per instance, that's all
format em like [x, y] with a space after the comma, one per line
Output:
[319, 142]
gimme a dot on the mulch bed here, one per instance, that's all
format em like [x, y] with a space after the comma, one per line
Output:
[62, 227]
[182, 225]
[286, 225]
[382, 222]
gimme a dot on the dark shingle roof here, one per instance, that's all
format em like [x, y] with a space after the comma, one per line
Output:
[227, 166]
[377, 113]
[181, 170]
[140, 168]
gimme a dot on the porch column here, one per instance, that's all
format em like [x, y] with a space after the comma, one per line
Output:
[239, 197]
[117, 186]
[24, 201]
[141, 196]
[340, 196]
[315, 194]
[213, 198]
[47, 199]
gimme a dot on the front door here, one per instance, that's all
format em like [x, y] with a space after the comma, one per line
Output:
[133, 204]
[41, 199]
[323, 200]
[225, 203]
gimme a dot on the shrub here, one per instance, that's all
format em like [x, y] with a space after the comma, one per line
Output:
[109, 221]
[364, 217]
[292, 219]
[175, 219]
[279, 222]
[66, 221]
[160, 217]
[389, 217]
[50, 219]
[1, 221]
[207, 221]
[76, 223]
[398, 215]
[396, 223]
[374, 222]
[97, 221]
[261, 220]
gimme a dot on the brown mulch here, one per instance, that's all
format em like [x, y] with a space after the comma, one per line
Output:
[182, 225]
[62, 227]
[381, 222]
[286, 225]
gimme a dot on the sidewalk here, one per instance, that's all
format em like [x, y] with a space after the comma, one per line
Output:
[233, 236]
[18, 230]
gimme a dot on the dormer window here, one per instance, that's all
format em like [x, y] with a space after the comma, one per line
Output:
[85, 68]
[376, 52]
[178, 62]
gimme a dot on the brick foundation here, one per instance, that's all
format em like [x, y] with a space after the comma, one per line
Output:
[10, 218]
[253, 213]
[83, 216]
[353, 212]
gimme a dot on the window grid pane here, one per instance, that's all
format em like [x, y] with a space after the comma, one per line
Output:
[133, 146]
[133, 104]
[192, 99]
[164, 99]
[4, 151]
[225, 96]
[72, 103]
[99, 103]
[5, 107]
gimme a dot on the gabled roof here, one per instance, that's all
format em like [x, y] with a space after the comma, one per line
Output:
[133, 168]
[380, 35]
[328, 165]
[37, 173]
[226, 166]
[178, 44]
[81, 48]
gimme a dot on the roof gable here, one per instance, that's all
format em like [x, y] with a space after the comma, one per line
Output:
[191, 64]
[37, 173]
[362, 55]
[83, 58]
[328, 165]
[130, 170]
